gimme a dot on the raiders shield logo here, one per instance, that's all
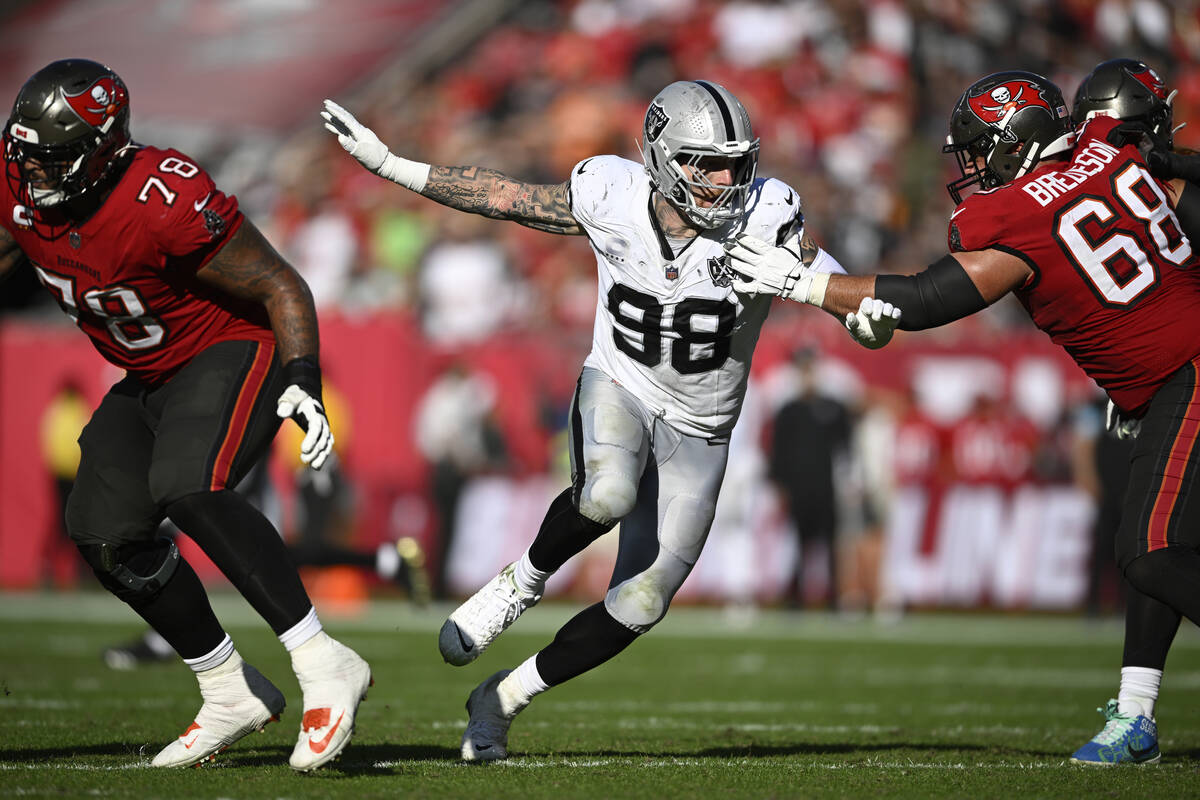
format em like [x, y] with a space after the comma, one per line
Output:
[656, 120]
[720, 271]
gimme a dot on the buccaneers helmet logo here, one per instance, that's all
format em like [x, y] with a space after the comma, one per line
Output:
[98, 102]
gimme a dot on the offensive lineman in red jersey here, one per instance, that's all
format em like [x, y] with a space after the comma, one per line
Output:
[1085, 236]
[218, 337]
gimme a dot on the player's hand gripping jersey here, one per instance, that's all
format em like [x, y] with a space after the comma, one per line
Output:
[670, 328]
[126, 275]
[1114, 280]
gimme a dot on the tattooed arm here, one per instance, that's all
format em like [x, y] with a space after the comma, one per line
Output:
[472, 189]
[249, 268]
[487, 192]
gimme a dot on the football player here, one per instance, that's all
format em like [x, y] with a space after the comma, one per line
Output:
[1131, 91]
[1078, 227]
[663, 384]
[218, 338]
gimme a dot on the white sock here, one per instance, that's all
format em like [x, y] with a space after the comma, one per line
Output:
[529, 579]
[302, 631]
[521, 686]
[219, 655]
[1139, 690]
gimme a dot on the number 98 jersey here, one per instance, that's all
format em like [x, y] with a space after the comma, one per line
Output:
[670, 328]
[127, 274]
[1115, 281]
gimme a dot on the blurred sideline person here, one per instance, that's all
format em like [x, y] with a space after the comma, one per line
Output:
[808, 435]
[660, 390]
[59, 427]
[218, 338]
[459, 438]
[1076, 225]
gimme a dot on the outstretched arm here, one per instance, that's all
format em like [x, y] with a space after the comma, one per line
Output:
[952, 288]
[476, 190]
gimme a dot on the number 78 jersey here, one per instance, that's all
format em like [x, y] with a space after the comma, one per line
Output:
[126, 275]
[670, 329]
[1114, 281]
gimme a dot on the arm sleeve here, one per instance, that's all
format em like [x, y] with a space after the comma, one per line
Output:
[942, 293]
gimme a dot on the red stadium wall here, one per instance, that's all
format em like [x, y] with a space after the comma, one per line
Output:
[382, 365]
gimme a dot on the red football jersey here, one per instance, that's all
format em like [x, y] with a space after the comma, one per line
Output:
[126, 275]
[1114, 281]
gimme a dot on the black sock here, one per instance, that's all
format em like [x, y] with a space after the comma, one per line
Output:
[1150, 627]
[1170, 575]
[181, 614]
[588, 639]
[247, 549]
[564, 533]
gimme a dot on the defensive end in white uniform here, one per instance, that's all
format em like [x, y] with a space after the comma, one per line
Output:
[664, 382]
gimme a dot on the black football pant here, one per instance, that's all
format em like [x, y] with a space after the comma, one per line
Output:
[1158, 542]
[177, 450]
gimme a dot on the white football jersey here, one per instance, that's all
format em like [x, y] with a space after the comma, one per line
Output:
[671, 329]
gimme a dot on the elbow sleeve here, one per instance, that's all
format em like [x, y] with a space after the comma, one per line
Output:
[942, 293]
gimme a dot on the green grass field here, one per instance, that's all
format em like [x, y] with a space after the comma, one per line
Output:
[707, 705]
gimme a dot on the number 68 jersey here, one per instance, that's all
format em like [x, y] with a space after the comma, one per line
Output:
[127, 274]
[1115, 281]
[670, 328]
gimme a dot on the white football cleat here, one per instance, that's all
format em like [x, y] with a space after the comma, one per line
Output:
[476, 623]
[237, 700]
[491, 713]
[334, 680]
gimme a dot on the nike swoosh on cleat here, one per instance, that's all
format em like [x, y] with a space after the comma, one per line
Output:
[191, 728]
[319, 746]
[1138, 755]
[479, 747]
[200, 204]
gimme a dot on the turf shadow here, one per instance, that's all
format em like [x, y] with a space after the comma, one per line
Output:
[359, 759]
[16, 754]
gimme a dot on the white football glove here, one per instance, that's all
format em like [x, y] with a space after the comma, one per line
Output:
[361, 142]
[874, 323]
[309, 415]
[775, 271]
[355, 138]
[1119, 424]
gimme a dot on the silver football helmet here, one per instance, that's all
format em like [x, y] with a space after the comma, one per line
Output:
[693, 123]
[68, 129]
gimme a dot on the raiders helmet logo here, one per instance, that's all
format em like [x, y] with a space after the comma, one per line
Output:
[656, 120]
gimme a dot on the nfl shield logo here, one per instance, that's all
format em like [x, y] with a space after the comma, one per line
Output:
[74, 239]
[672, 272]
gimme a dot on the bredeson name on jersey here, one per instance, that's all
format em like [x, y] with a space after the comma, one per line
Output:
[1087, 162]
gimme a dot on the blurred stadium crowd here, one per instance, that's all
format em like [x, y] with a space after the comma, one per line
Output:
[851, 100]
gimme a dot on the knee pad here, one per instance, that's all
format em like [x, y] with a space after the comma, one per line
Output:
[640, 602]
[135, 573]
[608, 497]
